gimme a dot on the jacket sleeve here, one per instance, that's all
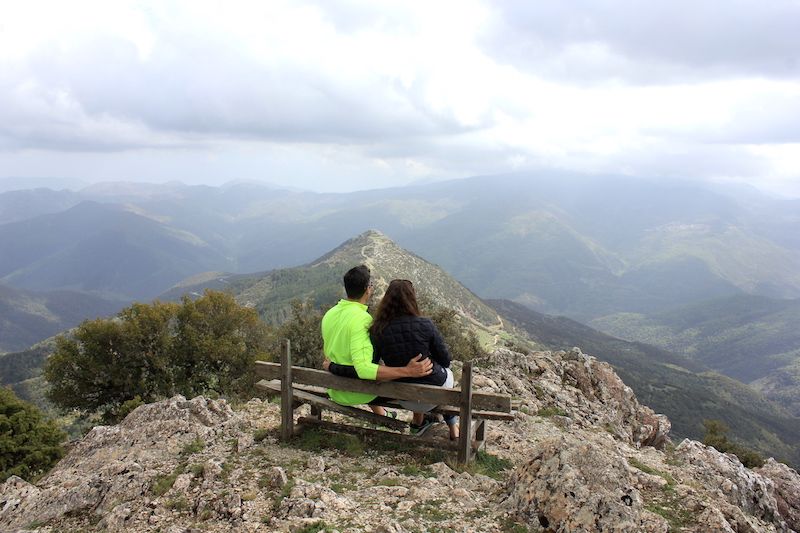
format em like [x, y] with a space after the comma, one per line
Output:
[361, 349]
[345, 371]
[439, 351]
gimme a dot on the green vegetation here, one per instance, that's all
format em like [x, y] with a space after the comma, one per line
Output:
[30, 444]
[162, 484]
[316, 527]
[193, 447]
[260, 434]
[680, 388]
[551, 411]
[303, 329]
[314, 439]
[461, 340]
[151, 351]
[717, 436]
[745, 337]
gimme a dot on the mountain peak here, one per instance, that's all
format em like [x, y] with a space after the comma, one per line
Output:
[321, 281]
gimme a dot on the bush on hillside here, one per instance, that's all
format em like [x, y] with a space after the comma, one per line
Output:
[303, 329]
[30, 444]
[716, 435]
[153, 351]
[462, 341]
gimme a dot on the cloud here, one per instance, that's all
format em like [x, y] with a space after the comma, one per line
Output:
[399, 90]
[648, 42]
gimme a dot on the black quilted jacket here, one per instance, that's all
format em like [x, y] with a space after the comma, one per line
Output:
[400, 341]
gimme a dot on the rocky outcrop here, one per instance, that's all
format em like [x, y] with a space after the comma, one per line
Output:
[579, 456]
[113, 465]
[748, 493]
[787, 490]
[577, 386]
[579, 485]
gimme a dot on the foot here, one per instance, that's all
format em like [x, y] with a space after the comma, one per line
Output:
[420, 429]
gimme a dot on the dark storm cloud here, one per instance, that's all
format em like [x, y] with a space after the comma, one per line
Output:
[648, 42]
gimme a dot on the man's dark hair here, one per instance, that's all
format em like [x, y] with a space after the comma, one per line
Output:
[356, 281]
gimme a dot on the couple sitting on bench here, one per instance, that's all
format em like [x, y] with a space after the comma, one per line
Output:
[399, 345]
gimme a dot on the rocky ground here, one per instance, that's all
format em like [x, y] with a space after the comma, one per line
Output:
[581, 455]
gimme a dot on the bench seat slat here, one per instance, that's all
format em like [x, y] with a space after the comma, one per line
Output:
[390, 389]
[441, 409]
[325, 403]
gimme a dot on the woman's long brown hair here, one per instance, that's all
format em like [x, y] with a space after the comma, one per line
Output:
[399, 300]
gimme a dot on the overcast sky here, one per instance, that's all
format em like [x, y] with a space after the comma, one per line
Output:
[339, 95]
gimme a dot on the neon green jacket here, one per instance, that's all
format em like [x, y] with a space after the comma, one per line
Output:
[346, 342]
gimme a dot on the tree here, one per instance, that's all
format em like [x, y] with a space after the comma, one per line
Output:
[216, 344]
[109, 361]
[30, 444]
[303, 329]
[152, 351]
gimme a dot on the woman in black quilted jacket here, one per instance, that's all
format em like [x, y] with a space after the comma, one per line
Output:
[399, 334]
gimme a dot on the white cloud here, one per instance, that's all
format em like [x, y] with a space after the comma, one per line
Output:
[394, 91]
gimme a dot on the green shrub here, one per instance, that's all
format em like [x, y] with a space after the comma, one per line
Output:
[30, 444]
[716, 435]
[152, 351]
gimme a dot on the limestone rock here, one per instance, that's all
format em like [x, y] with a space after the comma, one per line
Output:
[574, 485]
[746, 490]
[588, 390]
[113, 465]
[787, 490]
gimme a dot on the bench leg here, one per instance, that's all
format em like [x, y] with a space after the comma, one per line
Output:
[287, 396]
[480, 435]
[465, 421]
[316, 412]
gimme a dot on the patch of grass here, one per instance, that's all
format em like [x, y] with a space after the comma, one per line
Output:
[316, 527]
[343, 486]
[249, 496]
[179, 504]
[486, 464]
[197, 445]
[432, 510]
[652, 471]
[284, 493]
[196, 469]
[314, 439]
[551, 411]
[512, 526]
[260, 434]
[162, 484]
[676, 516]
[416, 471]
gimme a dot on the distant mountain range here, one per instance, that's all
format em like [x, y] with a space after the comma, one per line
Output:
[578, 246]
[27, 317]
[751, 338]
[591, 248]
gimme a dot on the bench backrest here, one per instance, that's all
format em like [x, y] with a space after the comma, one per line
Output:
[388, 389]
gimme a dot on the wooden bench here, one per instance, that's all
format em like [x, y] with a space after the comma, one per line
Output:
[299, 385]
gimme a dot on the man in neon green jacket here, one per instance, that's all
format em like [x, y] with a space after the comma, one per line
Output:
[345, 333]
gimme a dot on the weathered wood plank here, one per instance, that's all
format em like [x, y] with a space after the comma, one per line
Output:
[390, 389]
[325, 403]
[465, 428]
[477, 414]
